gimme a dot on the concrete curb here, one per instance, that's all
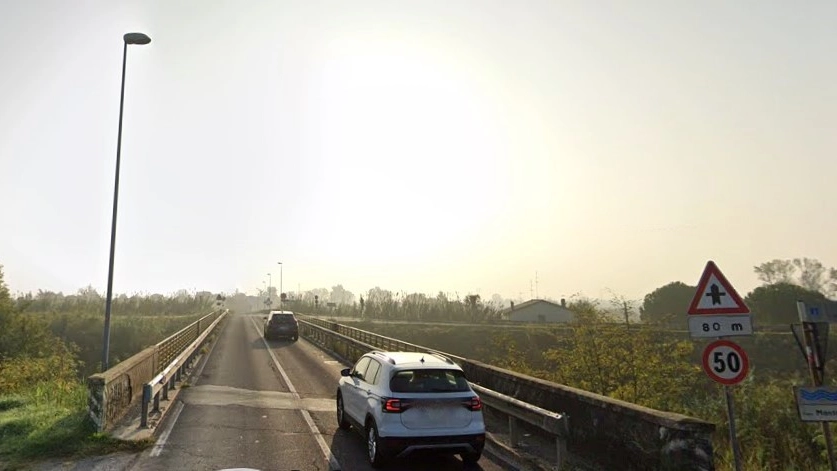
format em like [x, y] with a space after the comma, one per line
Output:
[511, 458]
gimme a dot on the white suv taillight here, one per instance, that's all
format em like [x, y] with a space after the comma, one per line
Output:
[474, 404]
[394, 406]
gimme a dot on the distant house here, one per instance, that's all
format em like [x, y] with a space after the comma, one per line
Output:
[538, 310]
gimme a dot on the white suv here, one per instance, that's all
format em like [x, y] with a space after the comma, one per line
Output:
[404, 402]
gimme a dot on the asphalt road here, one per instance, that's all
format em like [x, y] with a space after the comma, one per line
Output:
[267, 406]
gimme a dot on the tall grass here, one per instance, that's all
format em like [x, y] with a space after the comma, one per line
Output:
[49, 419]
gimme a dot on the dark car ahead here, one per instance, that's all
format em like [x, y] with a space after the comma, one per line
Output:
[281, 324]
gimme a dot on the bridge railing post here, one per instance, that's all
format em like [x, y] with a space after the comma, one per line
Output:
[146, 399]
[561, 442]
[514, 433]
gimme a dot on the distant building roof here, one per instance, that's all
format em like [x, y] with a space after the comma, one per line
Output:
[530, 303]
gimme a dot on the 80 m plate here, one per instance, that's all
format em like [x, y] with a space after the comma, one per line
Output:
[703, 326]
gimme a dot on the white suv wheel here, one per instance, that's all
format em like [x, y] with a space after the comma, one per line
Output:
[341, 413]
[376, 458]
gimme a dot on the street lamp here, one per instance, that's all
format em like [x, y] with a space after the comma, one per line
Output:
[280, 286]
[138, 39]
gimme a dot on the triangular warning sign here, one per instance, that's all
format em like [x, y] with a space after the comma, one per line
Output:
[715, 295]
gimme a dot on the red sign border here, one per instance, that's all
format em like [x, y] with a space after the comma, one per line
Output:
[745, 360]
[712, 269]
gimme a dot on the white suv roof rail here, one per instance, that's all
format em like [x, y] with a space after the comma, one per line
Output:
[384, 355]
[433, 353]
[443, 357]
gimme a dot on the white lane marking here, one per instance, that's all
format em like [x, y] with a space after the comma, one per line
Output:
[161, 442]
[332, 461]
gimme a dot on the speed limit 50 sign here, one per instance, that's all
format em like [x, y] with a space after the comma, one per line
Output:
[725, 362]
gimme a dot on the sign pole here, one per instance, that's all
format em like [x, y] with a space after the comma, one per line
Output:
[726, 363]
[717, 310]
[813, 359]
[733, 437]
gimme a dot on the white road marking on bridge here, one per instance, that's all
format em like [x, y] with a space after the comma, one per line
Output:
[332, 461]
[213, 395]
[161, 442]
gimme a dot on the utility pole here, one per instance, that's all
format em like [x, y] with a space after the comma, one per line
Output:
[625, 307]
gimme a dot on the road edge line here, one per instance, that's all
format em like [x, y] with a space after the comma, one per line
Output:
[161, 442]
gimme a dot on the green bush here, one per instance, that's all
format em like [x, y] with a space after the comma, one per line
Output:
[49, 343]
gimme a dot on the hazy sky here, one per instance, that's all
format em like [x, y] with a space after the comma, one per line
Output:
[421, 146]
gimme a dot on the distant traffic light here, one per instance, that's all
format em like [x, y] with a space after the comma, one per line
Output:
[283, 296]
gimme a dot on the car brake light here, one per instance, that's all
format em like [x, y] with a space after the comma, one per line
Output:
[474, 404]
[393, 405]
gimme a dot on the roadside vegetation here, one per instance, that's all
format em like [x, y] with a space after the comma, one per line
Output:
[49, 344]
[650, 366]
[645, 366]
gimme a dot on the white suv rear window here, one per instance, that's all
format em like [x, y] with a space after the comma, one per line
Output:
[428, 380]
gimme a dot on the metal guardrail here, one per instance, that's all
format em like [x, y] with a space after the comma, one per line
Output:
[550, 422]
[167, 379]
[112, 393]
[353, 343]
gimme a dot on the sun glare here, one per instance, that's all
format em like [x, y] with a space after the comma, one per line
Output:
[419, 149]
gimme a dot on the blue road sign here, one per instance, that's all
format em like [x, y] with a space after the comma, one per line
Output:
[817, 404]
[820, 313]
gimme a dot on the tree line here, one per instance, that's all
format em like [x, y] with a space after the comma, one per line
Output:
[376, 304]
[774, 302]
[48, 328]
[138, 304]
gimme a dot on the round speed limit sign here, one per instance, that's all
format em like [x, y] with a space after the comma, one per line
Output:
[725, 362]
